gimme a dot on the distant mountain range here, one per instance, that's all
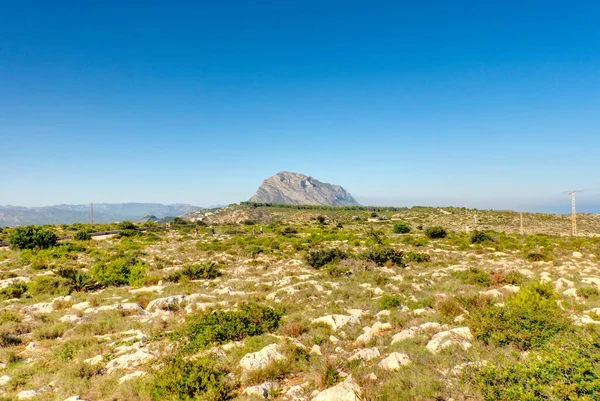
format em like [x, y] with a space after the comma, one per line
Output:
[299, 189]
[11, 216]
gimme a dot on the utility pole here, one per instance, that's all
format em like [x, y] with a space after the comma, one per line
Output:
[522, 231]
[92, 214]
[573, 211]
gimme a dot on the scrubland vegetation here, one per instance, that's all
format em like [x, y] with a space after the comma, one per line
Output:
[325, 303]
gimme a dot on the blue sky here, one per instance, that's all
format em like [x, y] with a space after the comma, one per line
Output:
[489, 103]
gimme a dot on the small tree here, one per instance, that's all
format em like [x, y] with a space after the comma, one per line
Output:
[32, 237]
[435, 232]
[401, 228]
[126, 225]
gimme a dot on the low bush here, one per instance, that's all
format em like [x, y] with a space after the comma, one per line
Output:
[389, 302]
[115, 272]
[219, 326]
[588, 291]
[416, 257]
[382, 255]
[435, 232]
[568, 368]
[50, 285]
[82, 236]
[289, 230]
[14, 290]
[194, 379]
[126, 225]
[474, 276]
[205, 270]
[78, 280]
[480, 237]
[31, 237]
[528, 320]
[401, 228]
[320, 257]
[537, 257]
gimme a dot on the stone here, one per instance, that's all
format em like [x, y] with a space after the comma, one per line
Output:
[577, 255]
[42, 307]
[262, 358]
[461, 336]
[132, 376]
[511, 288]
[165, 303]
[494, 293]
[70, 319]
[337, 321]
[4, 380]
[261, 390]
[81, 306]
[316, 350]
[94, 360]
[347, 390]
[74, 398]
[404, 335]
[27, 394]
[563, 283]
[129, 361]
[379, 328]
[366, 336]
[366, 354]
[572, 292]
[394, 361]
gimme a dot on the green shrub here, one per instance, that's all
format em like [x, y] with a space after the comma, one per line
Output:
[568, 368]
[289, 230]
[416, 257]
[78, 280]
[435, 232]
[479, 237]
[219, 326]
[320, 257]
[115, 272]
[588, 291]
[129, 233]
[31, 237]
[321, 219]
[382, 255]
[82, 236]
[401, 228]
[126, 225]
[528, 320]
[205, 270]
[14, 290]
[48, 285]
[137, 275]
[537, 257]
[513, 277]
[195, 379]
[389, 302]
[474, 276]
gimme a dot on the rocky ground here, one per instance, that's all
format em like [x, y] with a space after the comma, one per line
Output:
[352, 329]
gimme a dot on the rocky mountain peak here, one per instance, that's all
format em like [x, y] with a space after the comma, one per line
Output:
[299, 189]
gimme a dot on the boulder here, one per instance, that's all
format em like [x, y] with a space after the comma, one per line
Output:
[129, 361]
[394, 361]
[262, 358]
[347, 390]
[461, 336]
[262, 390]
[366, 354]
[337, 321]
[27, 394]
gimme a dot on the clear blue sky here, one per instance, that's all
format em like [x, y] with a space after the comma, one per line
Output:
[490, 103]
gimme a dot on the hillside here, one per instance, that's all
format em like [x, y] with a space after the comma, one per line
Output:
[299, 189]
[309, 304]
[11, 216]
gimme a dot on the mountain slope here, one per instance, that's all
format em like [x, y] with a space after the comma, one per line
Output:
[103, 213]
[299, 189]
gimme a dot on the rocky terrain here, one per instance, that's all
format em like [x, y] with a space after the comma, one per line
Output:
[329, 305]
[299, 189]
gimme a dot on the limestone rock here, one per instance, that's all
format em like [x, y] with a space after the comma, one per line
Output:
[394, 361]
[129, 361]
[27, 394]
[461, 336]
[347, 390]
[366, 354]
[337, 321]
[4, 380]
[261, 390]
[299, 189]
[131, 376]
[262, 358]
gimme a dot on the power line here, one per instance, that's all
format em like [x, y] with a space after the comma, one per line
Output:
[573, 210]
